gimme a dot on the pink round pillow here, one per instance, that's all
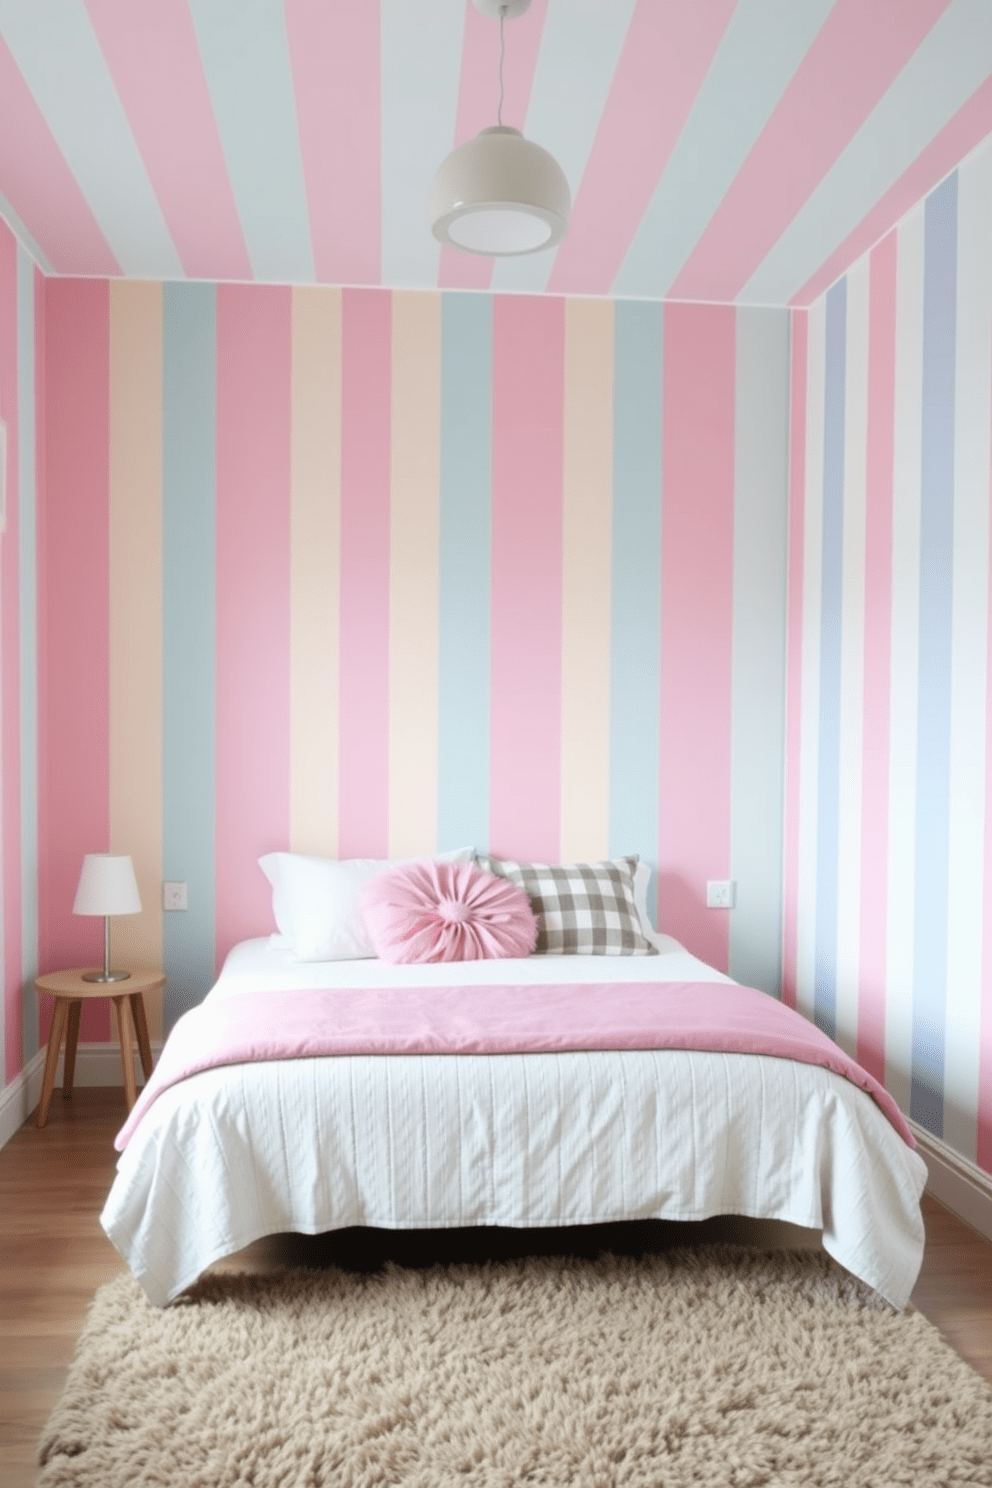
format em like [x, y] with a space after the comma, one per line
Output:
[431, 911]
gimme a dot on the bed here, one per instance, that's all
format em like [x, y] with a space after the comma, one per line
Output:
[433, 1141]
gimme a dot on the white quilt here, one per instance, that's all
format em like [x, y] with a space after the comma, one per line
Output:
[525, 1140]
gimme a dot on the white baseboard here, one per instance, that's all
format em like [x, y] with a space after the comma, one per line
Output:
[19, 1098]
[96, 1064]
[955, 1182]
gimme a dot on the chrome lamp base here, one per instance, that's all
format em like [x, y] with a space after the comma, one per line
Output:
[106, 975]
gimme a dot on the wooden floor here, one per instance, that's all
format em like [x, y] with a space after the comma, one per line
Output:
[54, 1255]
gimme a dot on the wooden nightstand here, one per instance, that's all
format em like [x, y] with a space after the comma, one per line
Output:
[69, 991]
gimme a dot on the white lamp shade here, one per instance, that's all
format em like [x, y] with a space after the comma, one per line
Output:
[107, 886]
[500, 194]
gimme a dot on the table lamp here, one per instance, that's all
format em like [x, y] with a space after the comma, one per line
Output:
[107, 887]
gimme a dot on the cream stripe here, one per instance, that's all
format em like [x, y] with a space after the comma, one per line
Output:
[969, 632]
[585, 660]
[413, 573]
[315, 546]
[809, 757]
[136, 615]
[906, 499]
[852, 657]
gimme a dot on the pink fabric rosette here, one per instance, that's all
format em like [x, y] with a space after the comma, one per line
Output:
[433, 911]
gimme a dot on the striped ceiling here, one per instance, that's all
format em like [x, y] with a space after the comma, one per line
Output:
[733, 150]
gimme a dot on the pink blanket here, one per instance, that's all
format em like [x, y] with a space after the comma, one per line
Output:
[513, 1019]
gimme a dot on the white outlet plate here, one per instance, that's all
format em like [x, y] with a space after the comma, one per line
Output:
[720, 893]
[174, 896]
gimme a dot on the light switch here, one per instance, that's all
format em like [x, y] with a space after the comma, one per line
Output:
[174, 896]
[720, 893]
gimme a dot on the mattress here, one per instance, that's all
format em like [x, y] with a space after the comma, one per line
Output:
[521, 1140]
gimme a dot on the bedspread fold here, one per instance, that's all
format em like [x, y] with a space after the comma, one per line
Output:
[516, 1018]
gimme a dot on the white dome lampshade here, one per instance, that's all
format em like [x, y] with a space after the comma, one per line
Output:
[500, 195]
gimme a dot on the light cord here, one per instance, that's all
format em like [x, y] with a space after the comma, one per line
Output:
[502, 53]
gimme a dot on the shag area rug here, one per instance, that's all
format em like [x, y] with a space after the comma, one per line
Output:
[715, 1366]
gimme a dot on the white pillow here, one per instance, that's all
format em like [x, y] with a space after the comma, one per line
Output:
[315, 901]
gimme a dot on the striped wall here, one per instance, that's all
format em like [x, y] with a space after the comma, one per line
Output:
[888, 873]
[377, 573]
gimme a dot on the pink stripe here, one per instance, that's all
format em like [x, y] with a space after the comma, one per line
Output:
[41, 188]
[478, 103]
[666, 56]
[970, 125]
[366, 418]
[334, 50]
[252, 597]
[877, 657]
[983, 1155]
[464, 270]
[697, 564]
[525, 660]
[816, 118]
[74, 684]
[41, 605]
[11, 661]
[154, 59]
[794, 672]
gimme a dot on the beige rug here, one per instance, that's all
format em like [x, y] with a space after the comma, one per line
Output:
[711, 1367]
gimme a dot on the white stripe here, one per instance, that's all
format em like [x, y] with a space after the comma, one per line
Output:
[27, 533]
[852, 643]
[952, 61]
[421, 62]
[581, 45]
[56, 49]
[809, 733]
[245, 54]
[26, 239]
[737, 98]
[761, 505]
[906, 502]
[969, 632]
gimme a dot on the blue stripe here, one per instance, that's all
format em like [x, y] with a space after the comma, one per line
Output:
[828, 798]
[28, 619]
[933, 759]
[465, 564]
[188, 558]
[635, 621]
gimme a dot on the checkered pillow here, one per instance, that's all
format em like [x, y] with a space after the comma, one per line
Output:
[583, 909]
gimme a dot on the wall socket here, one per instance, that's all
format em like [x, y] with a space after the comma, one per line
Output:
[721, 893]
[174, 896]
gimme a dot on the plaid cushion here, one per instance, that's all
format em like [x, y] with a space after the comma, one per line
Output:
[583, 909]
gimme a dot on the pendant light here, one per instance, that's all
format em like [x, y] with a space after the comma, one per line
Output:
[500, 194]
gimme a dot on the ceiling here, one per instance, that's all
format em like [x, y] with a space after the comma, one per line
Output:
[725, 150]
